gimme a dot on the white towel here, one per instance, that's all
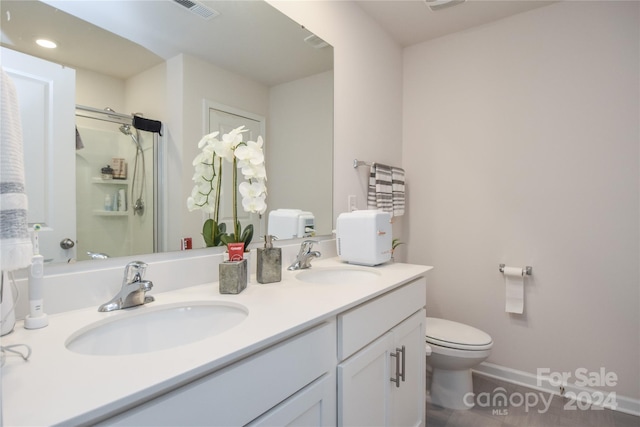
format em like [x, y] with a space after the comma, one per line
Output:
[16, 250]
[380, 192]
[397, 185]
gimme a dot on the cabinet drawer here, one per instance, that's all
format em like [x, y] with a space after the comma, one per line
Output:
[313, 406]
[241, 392]
[363, 324]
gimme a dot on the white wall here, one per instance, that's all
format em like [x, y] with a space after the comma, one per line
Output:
[367, 92]
[300, 141]
[521, 147]
[146, 93]
[99, 90]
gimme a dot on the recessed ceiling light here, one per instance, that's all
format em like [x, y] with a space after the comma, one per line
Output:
[46, 43]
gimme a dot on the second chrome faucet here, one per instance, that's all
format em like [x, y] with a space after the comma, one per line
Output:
[303, 260]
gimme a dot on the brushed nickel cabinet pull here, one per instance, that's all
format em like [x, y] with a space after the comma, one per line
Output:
[404, 356]
[397, 378]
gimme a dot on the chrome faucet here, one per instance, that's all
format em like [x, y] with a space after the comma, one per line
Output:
[97, 255]
[303, 260]
[133, 289]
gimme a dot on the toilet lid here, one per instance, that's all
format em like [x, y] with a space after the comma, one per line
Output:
[456, 335]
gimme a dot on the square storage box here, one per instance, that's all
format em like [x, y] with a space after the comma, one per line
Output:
[364, 237]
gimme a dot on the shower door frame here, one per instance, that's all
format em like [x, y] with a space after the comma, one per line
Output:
[125, 119]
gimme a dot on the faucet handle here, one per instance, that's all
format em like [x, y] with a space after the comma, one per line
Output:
[134, 271]
[306, 246]
[309, 242]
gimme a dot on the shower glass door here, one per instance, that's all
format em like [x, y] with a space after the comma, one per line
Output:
[115, 207]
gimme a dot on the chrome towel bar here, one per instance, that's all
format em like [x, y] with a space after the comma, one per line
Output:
[357, 163]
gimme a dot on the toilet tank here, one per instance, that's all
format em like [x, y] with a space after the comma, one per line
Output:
[364, 237]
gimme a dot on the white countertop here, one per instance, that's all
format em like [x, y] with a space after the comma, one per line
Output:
[57, 386]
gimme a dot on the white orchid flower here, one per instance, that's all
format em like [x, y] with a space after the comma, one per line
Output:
[198, 198]
[250, 153]
[224, 149]
[208, 152]
[249, 158]
[203, 173]
[253, 189]
[254, 204]
[191, 204]
[250, 171]
[198, 159]
[235, 136]
[204, 187]
[208, 139]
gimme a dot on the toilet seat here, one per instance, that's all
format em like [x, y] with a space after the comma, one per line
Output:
[447, 333]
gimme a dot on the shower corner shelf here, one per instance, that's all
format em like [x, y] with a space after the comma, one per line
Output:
[99, 212]
[98, 180]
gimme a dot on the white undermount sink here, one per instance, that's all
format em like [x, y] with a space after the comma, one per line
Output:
[337, 275]
[151, 328]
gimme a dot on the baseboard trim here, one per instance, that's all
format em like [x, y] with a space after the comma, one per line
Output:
[581, 394]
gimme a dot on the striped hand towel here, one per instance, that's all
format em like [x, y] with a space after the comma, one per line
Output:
[15, 244]
[380, 192]
[397, 185]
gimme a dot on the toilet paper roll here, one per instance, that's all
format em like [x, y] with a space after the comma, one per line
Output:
[514, 286]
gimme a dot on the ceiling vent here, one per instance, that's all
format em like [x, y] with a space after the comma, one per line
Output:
[442, 4]
[198, 8]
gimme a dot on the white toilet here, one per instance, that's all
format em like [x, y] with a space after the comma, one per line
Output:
[455, 349]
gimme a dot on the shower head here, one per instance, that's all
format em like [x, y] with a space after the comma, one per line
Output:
[125, 129]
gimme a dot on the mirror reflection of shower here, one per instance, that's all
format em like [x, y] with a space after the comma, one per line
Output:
[138, 206]
[115, 185]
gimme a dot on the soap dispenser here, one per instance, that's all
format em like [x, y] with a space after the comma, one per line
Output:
[269, 268]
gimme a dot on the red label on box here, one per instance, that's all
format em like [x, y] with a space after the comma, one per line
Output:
[186, 243]
[236, 251]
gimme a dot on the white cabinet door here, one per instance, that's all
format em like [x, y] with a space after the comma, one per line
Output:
[363, 385]
[367, 394]
[408, 400]
[46, 97]
[313, 406]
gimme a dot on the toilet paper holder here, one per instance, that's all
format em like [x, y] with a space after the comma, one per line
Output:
[528, 270]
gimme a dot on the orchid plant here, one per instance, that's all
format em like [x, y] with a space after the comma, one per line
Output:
[247, 157]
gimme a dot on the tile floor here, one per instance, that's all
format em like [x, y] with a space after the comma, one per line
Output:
[553, 414]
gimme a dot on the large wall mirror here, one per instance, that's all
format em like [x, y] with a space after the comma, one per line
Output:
[170, 60]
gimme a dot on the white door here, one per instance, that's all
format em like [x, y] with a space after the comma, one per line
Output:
[46, 95]
[224, 119]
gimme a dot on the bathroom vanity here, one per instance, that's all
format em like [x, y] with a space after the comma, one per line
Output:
[339, 344]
